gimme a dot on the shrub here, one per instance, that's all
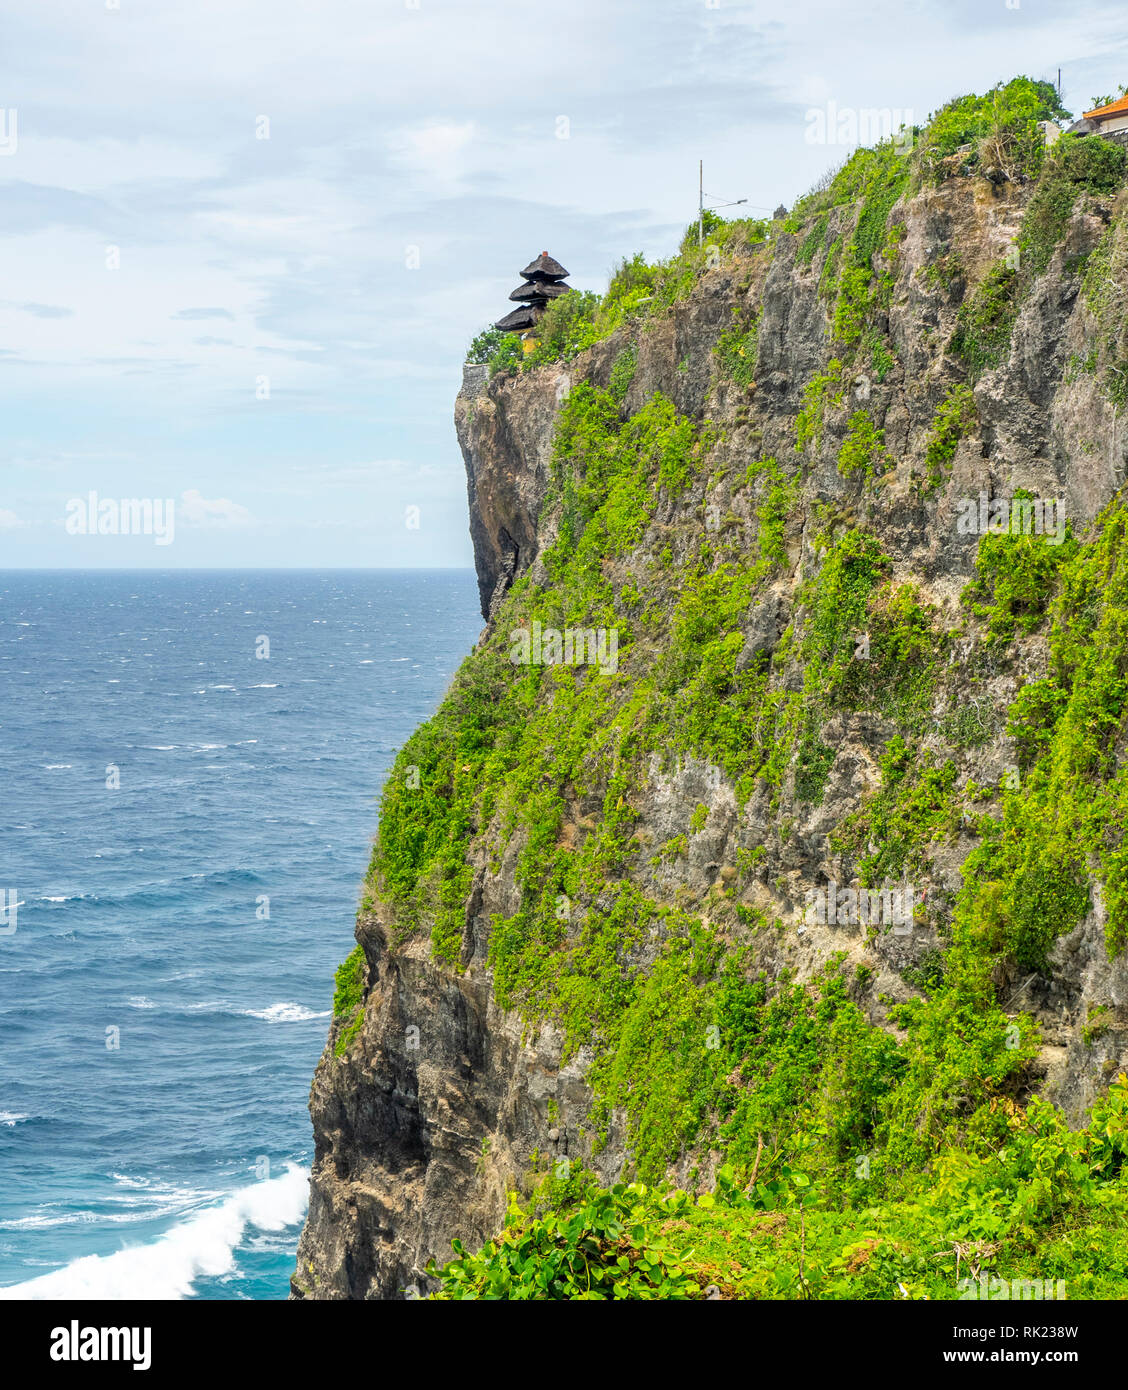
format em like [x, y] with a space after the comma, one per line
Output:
[565, 329]
[986, 318]
[348, 998]
[483, 347]
[1016, 577]
[508, 357]
[1077, 164]
[736, 350]
[825, 389]
[1048, 897]
[861, 450]
[622, 373]
[608, 1245]
[1006, 119]
[957, 416]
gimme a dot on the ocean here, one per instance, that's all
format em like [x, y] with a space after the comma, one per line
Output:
[191, 762]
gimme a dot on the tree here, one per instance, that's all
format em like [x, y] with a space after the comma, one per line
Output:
[1098, 102]
[485, 345]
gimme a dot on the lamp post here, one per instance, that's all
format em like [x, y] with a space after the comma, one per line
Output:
[701, 203]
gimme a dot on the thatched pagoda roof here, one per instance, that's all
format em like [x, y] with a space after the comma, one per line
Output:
[544, 268]
[540, 289]
[525, 317]
[542, 277]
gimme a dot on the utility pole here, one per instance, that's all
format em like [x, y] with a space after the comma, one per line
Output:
[701, 203]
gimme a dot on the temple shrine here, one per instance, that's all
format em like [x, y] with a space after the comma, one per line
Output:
[543, 279]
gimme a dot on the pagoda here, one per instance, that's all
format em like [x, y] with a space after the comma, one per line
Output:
[543, 281]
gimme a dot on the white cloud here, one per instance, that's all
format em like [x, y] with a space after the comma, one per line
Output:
[391, 129]
[436, 153]
[434, 142]
[84, 164]
[199, 511]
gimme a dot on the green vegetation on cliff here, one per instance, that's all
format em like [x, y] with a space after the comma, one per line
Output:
[348, 998]
[752, 615]
[998, 129]
[701, 1047]
[548, 760]
[1040, 1217]
[1074, 172]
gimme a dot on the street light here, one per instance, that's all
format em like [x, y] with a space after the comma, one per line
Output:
[701, 203]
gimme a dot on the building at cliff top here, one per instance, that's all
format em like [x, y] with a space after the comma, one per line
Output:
[543, 279]
[1111, 121]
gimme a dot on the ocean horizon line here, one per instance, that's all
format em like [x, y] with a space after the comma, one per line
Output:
[237, 569]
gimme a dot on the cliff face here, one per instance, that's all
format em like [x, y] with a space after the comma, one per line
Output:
[463, 1070]
[506, 439]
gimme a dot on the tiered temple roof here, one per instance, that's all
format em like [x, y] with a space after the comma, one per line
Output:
[543, 281]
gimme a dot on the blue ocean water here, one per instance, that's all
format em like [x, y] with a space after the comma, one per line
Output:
[175, 1163]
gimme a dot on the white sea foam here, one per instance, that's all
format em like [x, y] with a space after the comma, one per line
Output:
[44, 1221]
[167, 1268]
[154, 1209]
[285, 1013]
[140, 1001]
[10, 1118]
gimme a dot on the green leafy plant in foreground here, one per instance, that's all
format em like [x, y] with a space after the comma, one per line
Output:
[606, 1246]
[1046, 1202]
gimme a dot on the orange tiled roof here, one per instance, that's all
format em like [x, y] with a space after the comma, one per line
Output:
[1117, 108]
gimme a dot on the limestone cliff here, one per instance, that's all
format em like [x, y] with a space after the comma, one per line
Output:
[843, 383]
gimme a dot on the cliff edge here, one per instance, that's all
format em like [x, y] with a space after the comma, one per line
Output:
[837, 499]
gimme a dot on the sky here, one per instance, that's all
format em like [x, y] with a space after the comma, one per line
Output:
[244, 245]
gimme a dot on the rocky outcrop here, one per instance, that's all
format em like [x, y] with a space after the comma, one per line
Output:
[421, 1126]
[506, 441]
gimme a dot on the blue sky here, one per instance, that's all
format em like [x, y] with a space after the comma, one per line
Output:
[400, 131]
